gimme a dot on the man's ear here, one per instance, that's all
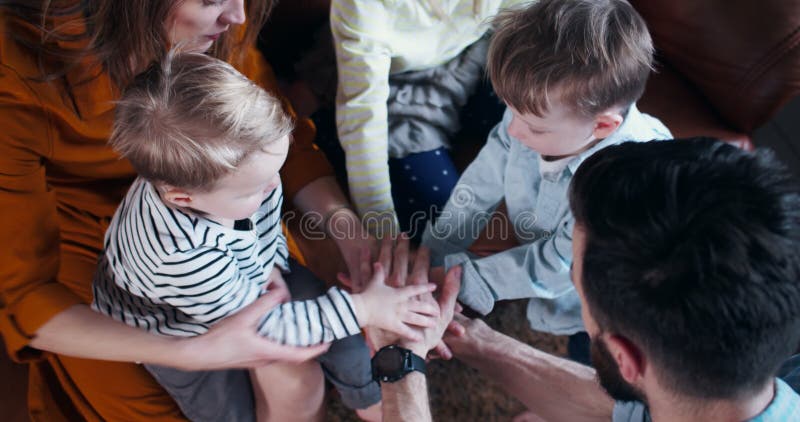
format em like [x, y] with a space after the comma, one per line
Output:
[175, 196]
[629, 357]
[606, 123]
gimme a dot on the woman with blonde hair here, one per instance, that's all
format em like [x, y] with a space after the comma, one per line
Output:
[62, 67]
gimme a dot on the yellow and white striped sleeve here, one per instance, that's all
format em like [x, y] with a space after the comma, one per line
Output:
[363, 59]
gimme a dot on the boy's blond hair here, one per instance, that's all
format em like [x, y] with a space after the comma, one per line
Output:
[192, 119]
[591, 55]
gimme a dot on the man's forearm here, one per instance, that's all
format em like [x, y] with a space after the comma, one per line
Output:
[552, 387]
[407, 399]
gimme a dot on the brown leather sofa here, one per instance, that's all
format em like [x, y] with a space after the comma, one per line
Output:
[724, 66]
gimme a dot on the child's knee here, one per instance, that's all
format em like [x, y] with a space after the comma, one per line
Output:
[293, 376]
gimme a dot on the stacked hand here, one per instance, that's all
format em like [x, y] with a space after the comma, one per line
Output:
[353, 242]
[468, 337]
[396, 264]
[395, 309]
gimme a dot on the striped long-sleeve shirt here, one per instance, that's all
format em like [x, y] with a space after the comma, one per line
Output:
[175, 273]
[373, 40]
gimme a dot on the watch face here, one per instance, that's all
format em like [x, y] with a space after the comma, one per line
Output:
[392, 363]
[388, 361]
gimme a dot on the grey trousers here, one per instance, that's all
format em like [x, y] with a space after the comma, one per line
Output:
[227, 395]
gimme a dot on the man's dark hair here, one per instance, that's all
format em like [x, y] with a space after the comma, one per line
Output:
[692, 253]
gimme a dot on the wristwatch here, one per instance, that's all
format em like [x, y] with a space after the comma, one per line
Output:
[392, 363]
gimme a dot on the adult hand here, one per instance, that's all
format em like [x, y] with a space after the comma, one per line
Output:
[432, 336]
[437, 275]
[468, 337]
[235, 343]
[397, 266]
[276, 284]
[394, 309]
[354, 243]
[398, 262]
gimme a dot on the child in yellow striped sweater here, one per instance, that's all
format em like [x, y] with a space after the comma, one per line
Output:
[406, 68]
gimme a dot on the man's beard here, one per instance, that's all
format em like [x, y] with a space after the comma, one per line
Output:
[609, 376]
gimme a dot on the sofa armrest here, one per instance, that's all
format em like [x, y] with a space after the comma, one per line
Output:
[684, 110]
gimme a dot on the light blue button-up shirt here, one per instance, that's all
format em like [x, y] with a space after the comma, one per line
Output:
[785, 407]
[538, 209]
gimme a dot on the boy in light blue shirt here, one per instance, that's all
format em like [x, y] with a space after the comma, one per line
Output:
[570, 73]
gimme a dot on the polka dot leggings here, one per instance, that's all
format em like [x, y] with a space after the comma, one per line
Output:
[421, 184]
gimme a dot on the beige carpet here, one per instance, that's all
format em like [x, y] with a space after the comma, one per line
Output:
[459, 393]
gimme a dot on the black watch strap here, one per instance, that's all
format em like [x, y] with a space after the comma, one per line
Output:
[392, 363]
[417, 363]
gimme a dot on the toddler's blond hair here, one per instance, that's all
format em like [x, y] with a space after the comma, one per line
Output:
[192, 119]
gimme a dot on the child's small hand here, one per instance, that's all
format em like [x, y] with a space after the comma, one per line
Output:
[276, 284]
[395, 309]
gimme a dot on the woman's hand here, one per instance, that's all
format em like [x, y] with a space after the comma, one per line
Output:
[398, 261]
[395, 309]
[234, 342]
[276, 284]
[356, 246]
[324, 198]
